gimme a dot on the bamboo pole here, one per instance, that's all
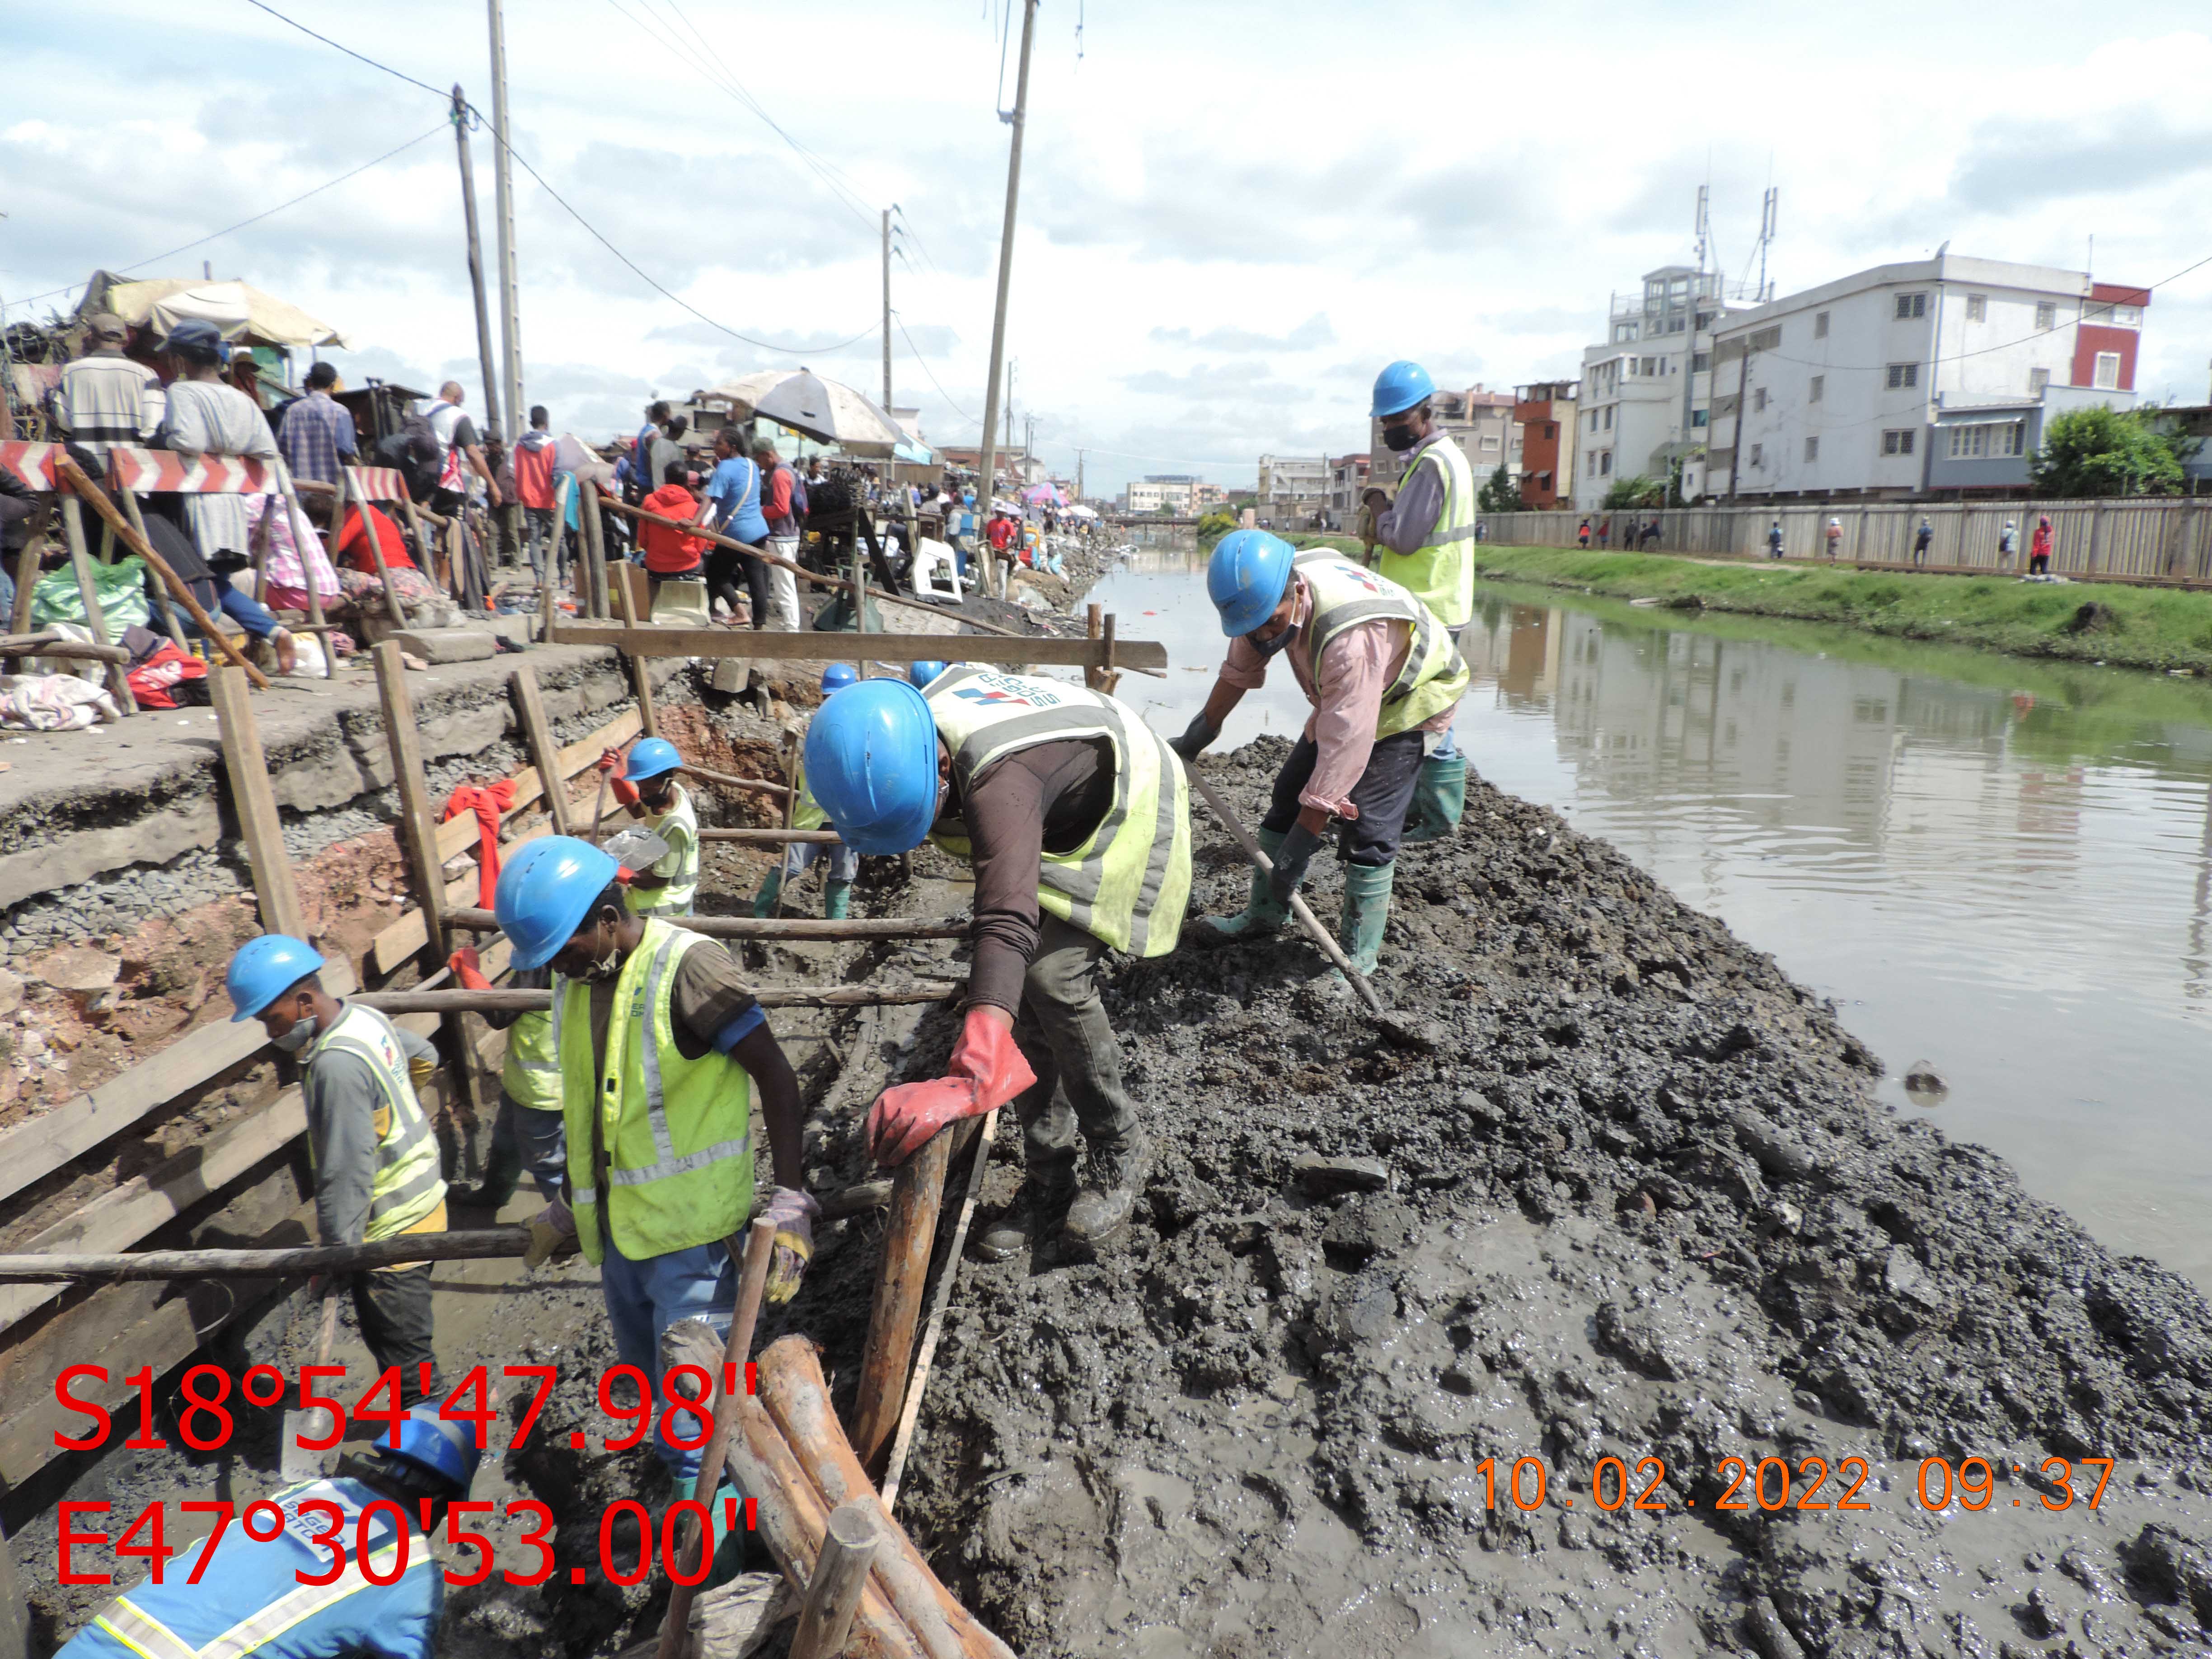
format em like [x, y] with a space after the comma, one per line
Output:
[909, 1236]
[405, 1248]
[833, 1597]
[793, 928]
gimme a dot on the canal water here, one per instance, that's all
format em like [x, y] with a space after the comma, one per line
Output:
[2000, 867]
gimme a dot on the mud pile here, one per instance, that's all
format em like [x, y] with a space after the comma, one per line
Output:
[1606, 1184]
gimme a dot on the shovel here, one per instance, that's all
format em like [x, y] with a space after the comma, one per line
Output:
[635, 848]
[300, 1462]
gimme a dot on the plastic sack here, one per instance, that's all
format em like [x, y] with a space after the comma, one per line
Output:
[121, 588]
[53, 702]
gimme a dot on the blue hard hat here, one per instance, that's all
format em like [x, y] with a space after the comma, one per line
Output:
[1246, 577]
[1398, 388]
[651, 758]
[264, 970]
[872, 763]
[544, 893]
[920, 674]
[837, 676]
[447, 1449]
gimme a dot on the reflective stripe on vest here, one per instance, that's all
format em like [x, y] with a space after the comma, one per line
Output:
[806, 812]
[662, 1199]
[409, 1183]
[1344, 595]
[532, 1075]
[1129, 884]
[679, 827]
[145, 1634]
[1440, 573]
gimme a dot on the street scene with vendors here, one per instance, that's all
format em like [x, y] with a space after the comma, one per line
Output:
[855, 834]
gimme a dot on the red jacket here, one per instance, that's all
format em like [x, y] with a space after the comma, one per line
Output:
[2038, 545]
[1002, 532]
[354, 551]
[670, 552]
[533, 472]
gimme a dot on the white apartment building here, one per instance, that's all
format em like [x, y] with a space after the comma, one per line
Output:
[1930, 376]
[1646, 392]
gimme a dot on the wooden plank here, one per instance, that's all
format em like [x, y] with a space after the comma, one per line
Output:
[641, 670]
[255, 802]
[649, 640]
[459, 833]
[538, 734]
[452, 1003]
[791, 927]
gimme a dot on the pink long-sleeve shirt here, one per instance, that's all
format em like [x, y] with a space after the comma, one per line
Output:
[1357, 668]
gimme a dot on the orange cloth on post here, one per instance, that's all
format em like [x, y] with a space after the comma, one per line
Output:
[487, 801]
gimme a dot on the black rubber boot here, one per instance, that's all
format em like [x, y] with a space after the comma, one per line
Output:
[1040, 1210]
[1109, 1192]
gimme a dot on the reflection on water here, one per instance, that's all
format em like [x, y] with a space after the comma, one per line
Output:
[2001, 866]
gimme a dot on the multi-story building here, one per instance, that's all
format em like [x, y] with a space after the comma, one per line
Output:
[1927, 376]
[1646, 393]
[1293, 490]
[1545, 412]
[1481, 422]
[1347, 479]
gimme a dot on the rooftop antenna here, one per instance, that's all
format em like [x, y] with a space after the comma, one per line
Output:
[1766, 223]
[1704, 223]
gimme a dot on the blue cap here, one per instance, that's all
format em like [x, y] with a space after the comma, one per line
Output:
[650, 758]
[871, 761]
[545, 892]
[1398, 388]
[1246, 578]
[837, 676]
[196, 334]
[429, 1440]
[264, 970]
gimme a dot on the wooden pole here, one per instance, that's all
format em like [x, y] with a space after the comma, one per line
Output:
[840, 1573]
[63, 1267]
[1093, 678]
[73, 476]
[789, 927]
[117, 676]
[255, 802]
[752, 1279]
[129, 501]
[594, 529]
[772, 837]
[453, 1004]
[640, 672]
[909, 1236]
[51, 644]
[1145, 656]
[460, 118]
[729, 781]
[317, 624]
[545, 754]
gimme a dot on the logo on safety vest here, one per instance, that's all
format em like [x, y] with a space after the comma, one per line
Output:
[993, 688]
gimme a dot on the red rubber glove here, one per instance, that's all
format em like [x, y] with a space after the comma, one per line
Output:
[625, 792]
[985, 1072]
[467, 969]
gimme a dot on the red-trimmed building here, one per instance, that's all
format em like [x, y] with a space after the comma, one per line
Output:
[1546, 413]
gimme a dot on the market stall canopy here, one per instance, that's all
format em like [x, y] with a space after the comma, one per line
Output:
[918, 453]
[1044, 494]
[828, 411]
[1077, 510]
[243, 313]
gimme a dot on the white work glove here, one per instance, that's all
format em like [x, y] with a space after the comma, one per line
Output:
[793, 1212]
[550, 1229]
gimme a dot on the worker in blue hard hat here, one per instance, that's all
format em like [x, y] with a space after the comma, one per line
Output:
[369, 1141]
[1384, 679]
[369, 1531]
[1427, 538]
[1076, 819]
[660, 1045]
[919, 673]
[806, 813]
[645, 785]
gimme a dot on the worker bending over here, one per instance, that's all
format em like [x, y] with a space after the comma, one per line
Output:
[1427, 538]
[1077, 821]
[375, 1159]
[806, 813]
[660, 1045]
[1384, 679]
[648, 788]
[246, 1596]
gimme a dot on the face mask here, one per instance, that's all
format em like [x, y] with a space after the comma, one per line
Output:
[1269, 647]
[1400, 437]
[302, 1034]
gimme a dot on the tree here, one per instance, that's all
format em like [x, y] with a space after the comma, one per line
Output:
[1633, 492]
[1498, 494]
[1212, 526]
[2106, 452]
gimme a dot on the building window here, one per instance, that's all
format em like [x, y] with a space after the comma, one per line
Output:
[1700, 361]
[1673, 324]
[1766, 339]
[1698, 416]
[1819, 385]
[2047, 316]
[1490, 442]
[1988, 441]
[1650, 366]
[1609, 417]
[2107, 376]
[1605, 464]
[1623, 332]
[1897, 442]
[1759, 400]
[1812, 449]
[2126, 317]
[1903, 375]
[2037, 380]
[2014, 438]
[1978, 307]
[1819, 324]
[1759, 454]
[1551, 429]
[1911, 305]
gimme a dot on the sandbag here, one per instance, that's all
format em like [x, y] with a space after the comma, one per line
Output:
[121, 588]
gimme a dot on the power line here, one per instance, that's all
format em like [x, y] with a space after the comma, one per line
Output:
[213, 235]
[348, 51]
[970, 419]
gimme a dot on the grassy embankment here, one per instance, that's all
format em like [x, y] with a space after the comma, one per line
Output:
[2132, 627]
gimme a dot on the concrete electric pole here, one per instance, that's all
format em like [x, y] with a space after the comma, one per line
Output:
[1006, 274]
[476, 263]
[502, 173]
[887, 306]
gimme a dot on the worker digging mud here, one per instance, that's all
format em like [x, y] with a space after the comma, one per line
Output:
[657, 1106]
[1384, 679]
[375, 1160]
[806, 813]
[249, 1594]
[1427, 536]
[1076, 819]
[647, 787]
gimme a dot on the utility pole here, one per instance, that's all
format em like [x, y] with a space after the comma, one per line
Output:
[1006, 272]
[1078, 475]
[1010, 409]
[1028, 441]
[502, 172]
[887, 305]
[475, 262]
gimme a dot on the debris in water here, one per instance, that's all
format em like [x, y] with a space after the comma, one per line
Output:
[1924, 1084]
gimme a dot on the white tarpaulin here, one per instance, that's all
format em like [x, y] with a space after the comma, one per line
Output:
[243, 313]
[829, 412]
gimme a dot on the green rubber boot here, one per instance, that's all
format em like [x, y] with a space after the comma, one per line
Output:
[1439, 798]
[1366, 908]
[1261, 916]
[764, 901]
[836, 900]
[725, 1543]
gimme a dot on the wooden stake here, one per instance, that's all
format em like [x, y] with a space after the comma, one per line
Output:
[1147, 656]
[639, 670]
[255, 802]
[833, 1596]
[349, 491]
[138, 523]
[729, 780]
[594, 530]
[266, 1264]
[909, 1237]
[538, 734]
[1095, 679]
[317, 624]
[772, 837]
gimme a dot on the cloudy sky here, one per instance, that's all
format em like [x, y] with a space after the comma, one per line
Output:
[1231, 214]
